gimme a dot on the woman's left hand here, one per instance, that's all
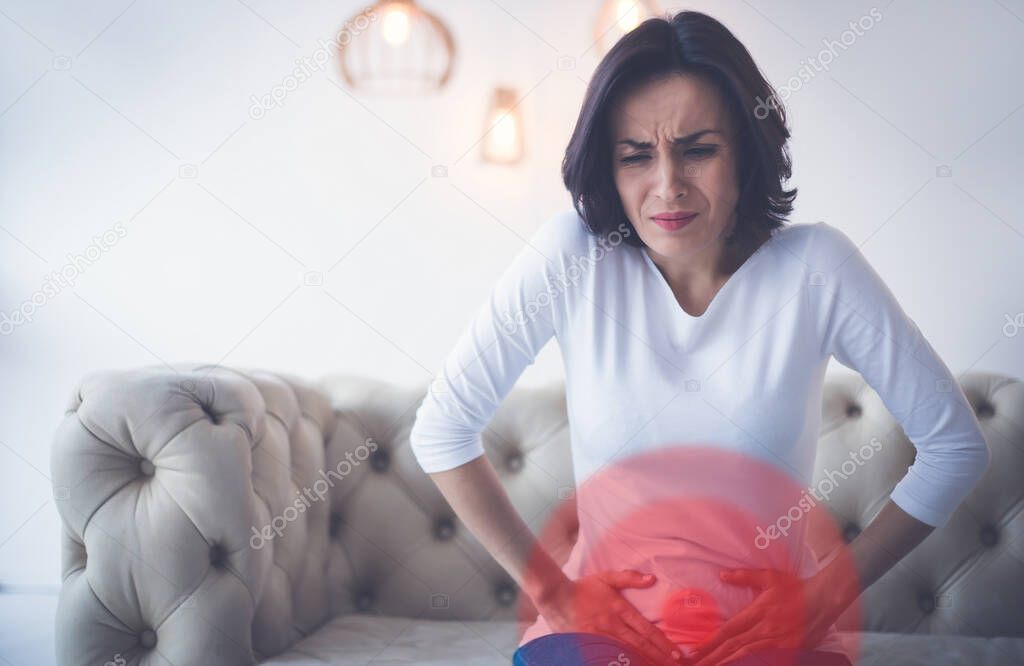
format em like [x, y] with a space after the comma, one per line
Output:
[788, 613]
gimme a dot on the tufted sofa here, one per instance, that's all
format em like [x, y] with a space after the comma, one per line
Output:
[214, 515]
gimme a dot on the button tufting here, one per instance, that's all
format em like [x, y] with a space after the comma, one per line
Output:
[218, 556]
[989, 537]
[926, 603]
[514, 462]
[147, 639]
[364, 600]
[505, 594]
[209, 412]
[985, 410]
[334, 524]
[850, 532]
[146, 467]
[444, 529]
[853, 410]
[379, 460]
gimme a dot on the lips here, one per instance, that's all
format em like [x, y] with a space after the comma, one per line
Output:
[673, 221]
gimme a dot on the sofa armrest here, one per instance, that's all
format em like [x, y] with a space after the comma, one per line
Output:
[170, 484]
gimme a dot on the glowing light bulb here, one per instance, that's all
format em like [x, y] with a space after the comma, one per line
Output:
[503, 142]
[395, 25]
[628, 13]
[505, 134]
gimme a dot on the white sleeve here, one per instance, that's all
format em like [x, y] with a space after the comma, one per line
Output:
[510, 328]
[864, 328]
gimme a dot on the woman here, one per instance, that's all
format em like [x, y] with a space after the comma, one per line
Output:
[695, 315]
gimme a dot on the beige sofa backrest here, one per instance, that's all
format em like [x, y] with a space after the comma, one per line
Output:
[216, 515]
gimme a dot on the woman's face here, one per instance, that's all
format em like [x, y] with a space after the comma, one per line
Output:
[672, 153]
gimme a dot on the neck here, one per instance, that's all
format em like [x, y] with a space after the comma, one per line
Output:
[709, 267]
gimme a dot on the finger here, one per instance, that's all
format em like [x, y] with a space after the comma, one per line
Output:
[755, 648]
[651, 633]
[729, 649]
[637, 639]
[737, 625]
[634, 639]
[628, 578]
[730, 652]
[759, 578]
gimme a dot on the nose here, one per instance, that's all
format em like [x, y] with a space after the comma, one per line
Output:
[671, 181]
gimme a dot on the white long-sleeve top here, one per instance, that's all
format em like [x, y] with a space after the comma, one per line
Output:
[746, 375]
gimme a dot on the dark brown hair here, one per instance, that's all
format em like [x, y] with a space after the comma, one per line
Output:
[687, 43]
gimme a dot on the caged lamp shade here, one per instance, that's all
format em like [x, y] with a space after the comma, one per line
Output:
[401, 49]
[503, 129]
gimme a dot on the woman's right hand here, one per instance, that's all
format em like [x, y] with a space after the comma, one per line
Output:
[593, 604]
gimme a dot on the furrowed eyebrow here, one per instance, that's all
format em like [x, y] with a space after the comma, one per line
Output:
[679, 141]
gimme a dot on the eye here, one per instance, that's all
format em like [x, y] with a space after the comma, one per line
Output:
[629, 159]
[703, 151]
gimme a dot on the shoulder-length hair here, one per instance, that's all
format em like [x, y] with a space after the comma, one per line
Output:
[689, 43]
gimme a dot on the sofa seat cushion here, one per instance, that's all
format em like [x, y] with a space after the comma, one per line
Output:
[382, 641]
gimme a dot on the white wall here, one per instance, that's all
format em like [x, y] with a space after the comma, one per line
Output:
[211, 268]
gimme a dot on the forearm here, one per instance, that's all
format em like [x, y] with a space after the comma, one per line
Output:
[475, 493]
[884, 542]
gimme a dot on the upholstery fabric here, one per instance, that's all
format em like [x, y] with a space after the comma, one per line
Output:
[389, 641]
[216, 515]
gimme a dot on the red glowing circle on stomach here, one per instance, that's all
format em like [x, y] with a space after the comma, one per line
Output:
[684, 513]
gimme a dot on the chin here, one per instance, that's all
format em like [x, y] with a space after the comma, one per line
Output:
[674, 243]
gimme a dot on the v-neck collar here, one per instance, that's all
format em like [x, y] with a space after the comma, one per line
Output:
[722, 291]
